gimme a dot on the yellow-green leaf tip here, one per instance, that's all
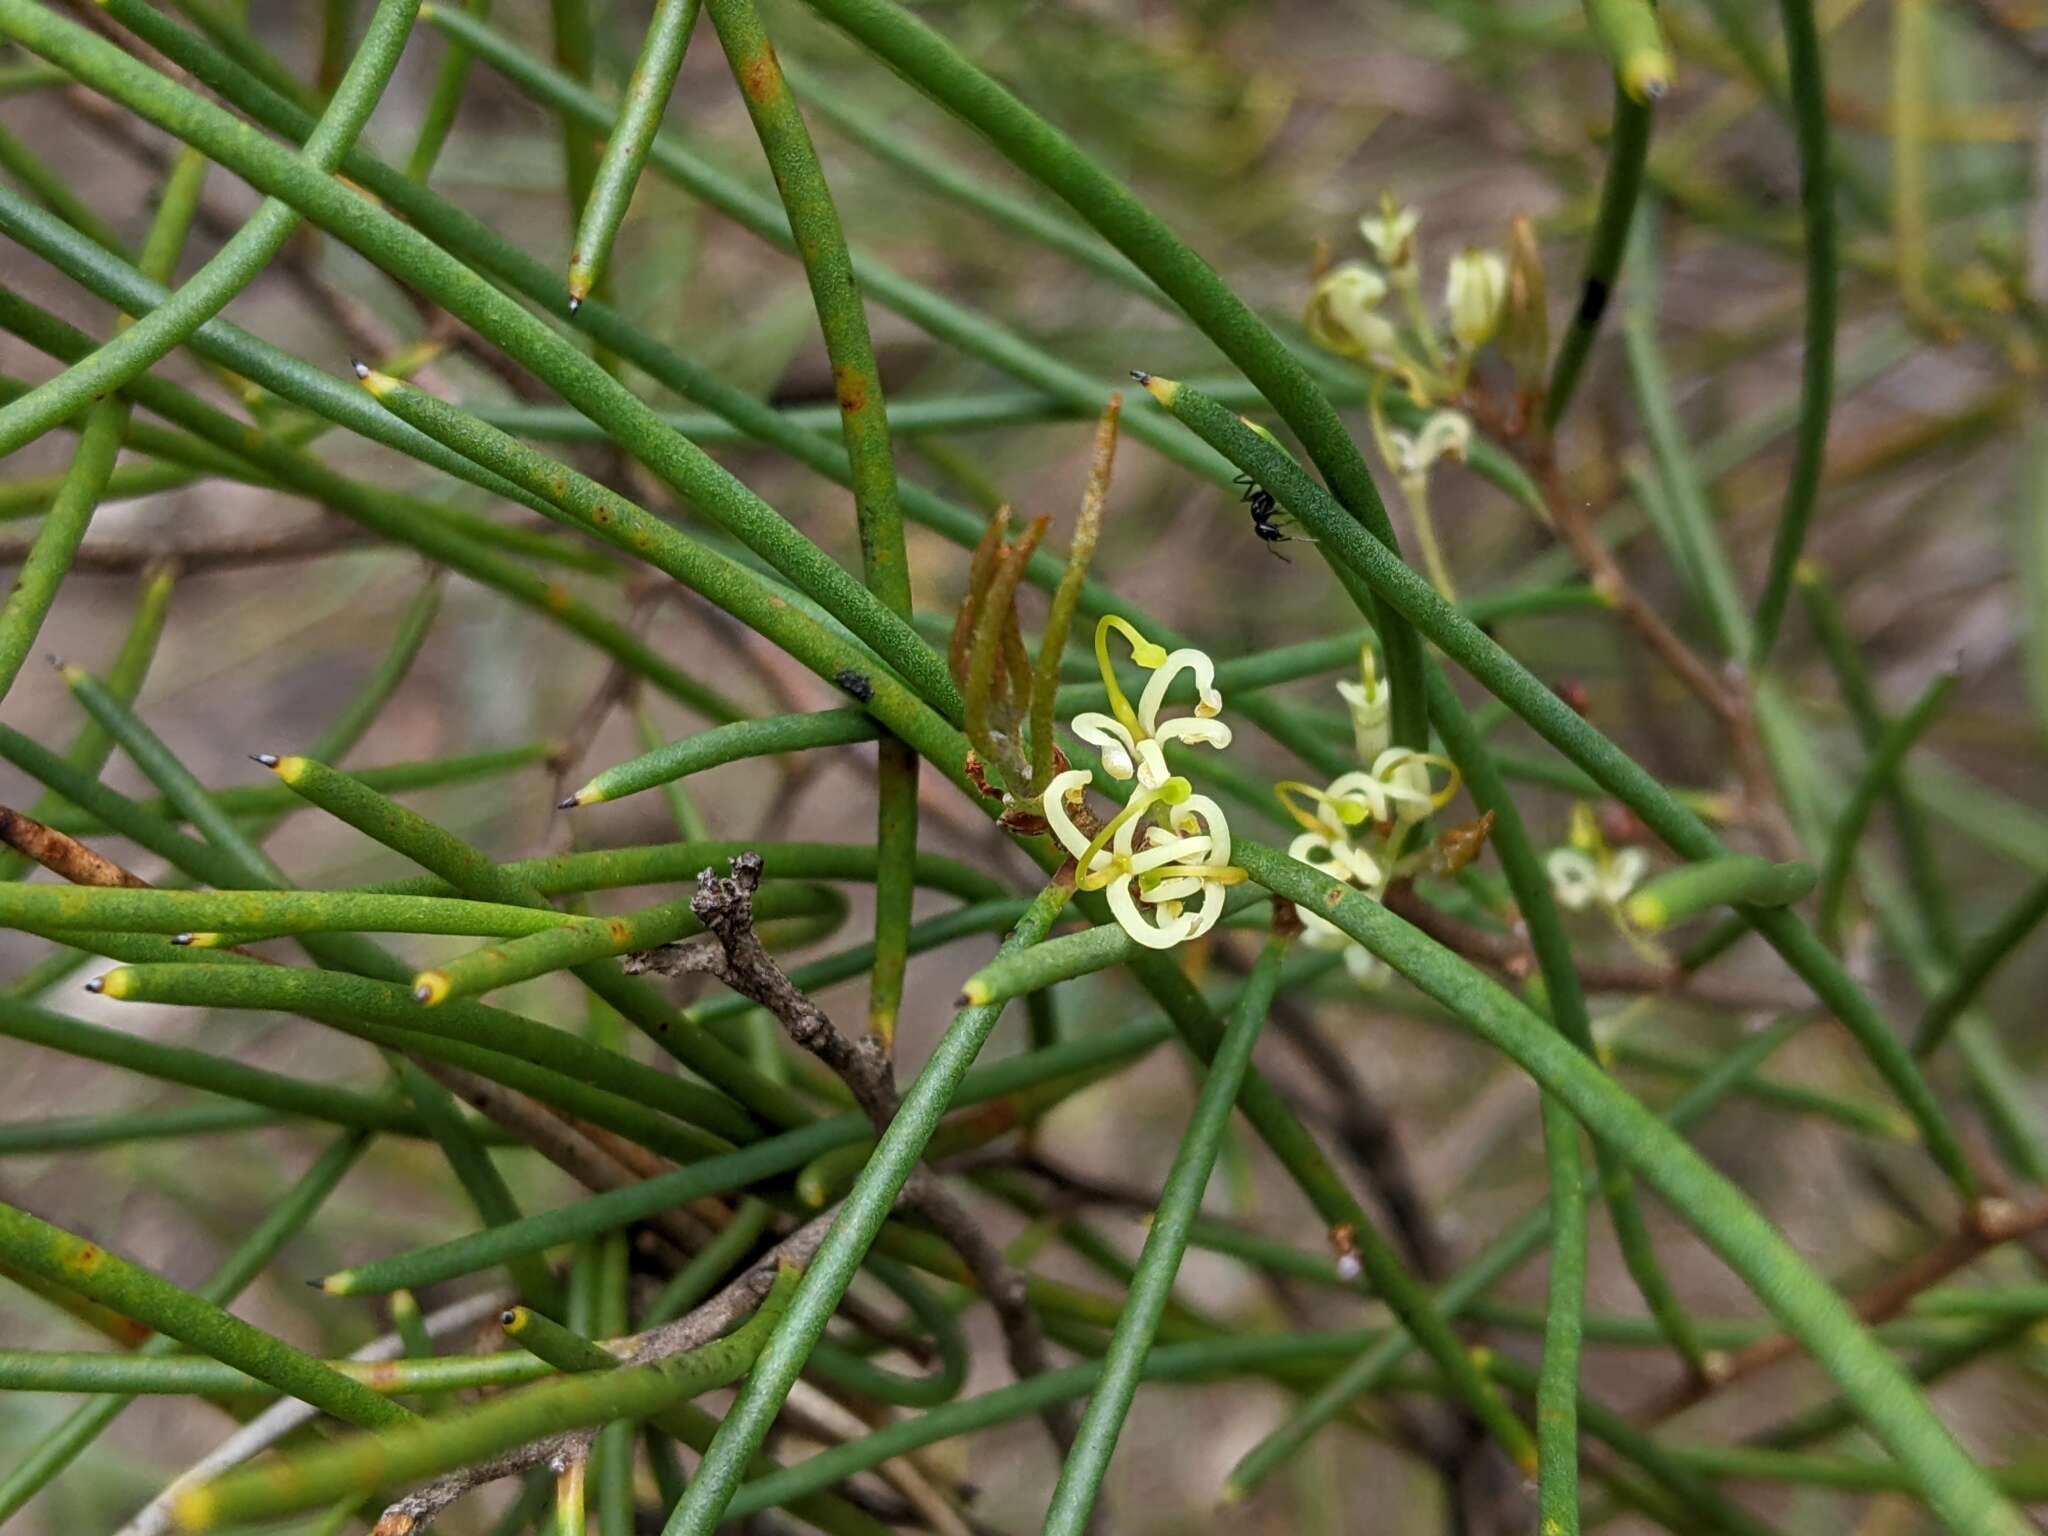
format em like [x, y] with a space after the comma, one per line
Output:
[1646, 75]
[1162, 390]
[1647, 913]
[430, 989]
[118, 983]
[378, 384]
[975, 994]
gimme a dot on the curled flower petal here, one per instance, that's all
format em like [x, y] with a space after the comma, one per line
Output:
[1108, 736]
[1212, 910]
[1625, 873]
[1166, 933]
[1574, 878]
[1186, 659]
[1172, 850]
[1054, 809]
[1199, 732]
[1200, 812]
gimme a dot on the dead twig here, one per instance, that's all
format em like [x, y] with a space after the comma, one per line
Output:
[1988, 1224]
[725, 906]
[59, 854]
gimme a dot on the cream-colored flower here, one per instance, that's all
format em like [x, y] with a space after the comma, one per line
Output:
[1369, 703]
[1475, 294]
[1326, 845]
[1444, 435]
[1392, 234]
[1396, 789]
[1132, 741]
[1586, 872]
[1151, 871]
[1580, 880]
[1342, 314]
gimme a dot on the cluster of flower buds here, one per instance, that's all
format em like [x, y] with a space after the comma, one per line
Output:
[1489, 297]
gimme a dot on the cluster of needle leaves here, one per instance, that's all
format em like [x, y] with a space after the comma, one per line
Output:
[1717, 989]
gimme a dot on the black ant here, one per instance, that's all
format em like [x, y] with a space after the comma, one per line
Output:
[1265, 517]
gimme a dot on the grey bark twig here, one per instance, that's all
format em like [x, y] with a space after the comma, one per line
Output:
[725, 906]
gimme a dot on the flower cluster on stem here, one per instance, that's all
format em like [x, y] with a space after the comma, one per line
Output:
[1359, 826]
[1163, 860]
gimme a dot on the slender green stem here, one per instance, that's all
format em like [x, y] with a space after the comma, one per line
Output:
[860, 1218]
[384, 514]
[24, 1370]
[269, 801]
[75, 1133]
[331, 996]
[1974, 967]
[1686, 892]
[50, 189]
[1628, 148]
[227, 345]
[1886, 1400]
[584, 503]
[1049, 157]
[1342, 543]
[1876, 781]
[228, 845]
[91, 747]
[200, 1069]
[443, 102]
[92, 466]
[625, 149]
[1370, 1369]
[1697, 548]
[1930, 944]
[591, 939]
[62, 1445]
[237, 263]
[193, 1320]
[1557, 1391]
[726, 744]
[267, 911]
[432, 271]
[864, 424]
[1080, 1481]
[362, 1465]
[570, 1352]
[1817, 383]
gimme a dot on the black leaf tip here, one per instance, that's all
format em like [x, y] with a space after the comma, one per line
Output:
[567, 803]
[1141, 376]
[182, 940]
[362, 368]
[97, 984]
[267, 759]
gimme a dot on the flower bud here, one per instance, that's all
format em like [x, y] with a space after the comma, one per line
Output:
[1476, 296]
[1392, 234]
[1340, 314]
